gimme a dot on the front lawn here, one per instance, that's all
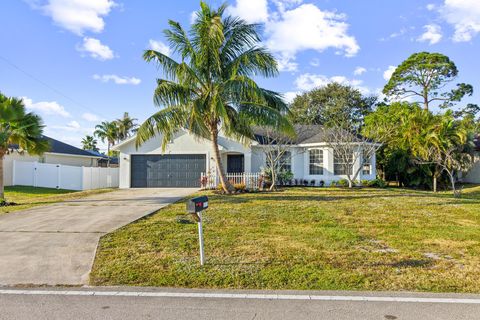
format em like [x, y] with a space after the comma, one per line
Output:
[28, 197]
[305, 238]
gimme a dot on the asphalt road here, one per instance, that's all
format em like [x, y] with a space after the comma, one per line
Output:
[132, 303]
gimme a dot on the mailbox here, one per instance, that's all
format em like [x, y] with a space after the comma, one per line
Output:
[197, 204]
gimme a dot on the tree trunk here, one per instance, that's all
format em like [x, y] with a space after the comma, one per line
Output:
[2, 186]
[425, 101]
[226, 185]
[435, 182]
[274, 180]
[108, 154]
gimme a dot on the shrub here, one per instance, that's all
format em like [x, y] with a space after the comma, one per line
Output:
[240, 187]
[333, 183]
[377, 183]
[343, 183]
[312, 182]
[322, 183]
[365, 183]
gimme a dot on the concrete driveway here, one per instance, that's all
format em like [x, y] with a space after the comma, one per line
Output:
[56, 244]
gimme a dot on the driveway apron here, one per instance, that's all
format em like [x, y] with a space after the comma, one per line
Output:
[56, 244]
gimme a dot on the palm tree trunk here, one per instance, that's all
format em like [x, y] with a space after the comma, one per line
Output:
[226, 185]
[2, 186]
[108, 154]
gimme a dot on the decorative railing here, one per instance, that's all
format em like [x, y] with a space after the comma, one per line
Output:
[251, 180]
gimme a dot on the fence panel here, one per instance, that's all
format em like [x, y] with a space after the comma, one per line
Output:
[63, 177]
[71, 178]
[252, 181]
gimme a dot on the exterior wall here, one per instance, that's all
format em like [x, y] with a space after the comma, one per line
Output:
[473, 175]
[70, 160]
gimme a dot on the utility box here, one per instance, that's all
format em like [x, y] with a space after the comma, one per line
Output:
[197, 204]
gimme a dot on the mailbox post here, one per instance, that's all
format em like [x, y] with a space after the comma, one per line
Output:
[195, 207]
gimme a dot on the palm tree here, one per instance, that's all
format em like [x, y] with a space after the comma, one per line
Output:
[17, 126]
[89, 143]
[211, 90]
[107, 131]
[125, 126]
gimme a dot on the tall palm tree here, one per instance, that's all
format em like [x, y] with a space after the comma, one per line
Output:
[126, 125]
[211, 90]
[19, 127]
[107, 131]
[89, 143]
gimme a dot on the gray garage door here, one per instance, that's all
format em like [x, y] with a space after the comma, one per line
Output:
[174, 170]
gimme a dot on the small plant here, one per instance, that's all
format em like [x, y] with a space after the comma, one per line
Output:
[322, 183]
[240, 187]
[377, 183]
[333, 183]
[343, 183]
[305, 182]
[365, 183]
[312, 182]
[204, 182]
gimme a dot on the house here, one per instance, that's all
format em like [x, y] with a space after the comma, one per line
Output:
[59, 153]
[105, 160]
[473, 175]
[187, 157]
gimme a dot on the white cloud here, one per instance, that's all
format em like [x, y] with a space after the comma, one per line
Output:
[77, 16]
[90, 117]
[74, 125]
[96, 49]
[252, 11]
[159, 46]
[117, 79]
[193, 16]
[464, 16]
[431, 6]
[292, 27]
[432, 34]
[290, 95]
[46, 107]
[387, 74]
[315, 62]
[309, 81]
[359, 71]
[306, 27]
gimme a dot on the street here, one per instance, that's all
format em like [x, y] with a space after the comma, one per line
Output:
[135, 303]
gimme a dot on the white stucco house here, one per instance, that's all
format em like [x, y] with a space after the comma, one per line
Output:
[187, 157]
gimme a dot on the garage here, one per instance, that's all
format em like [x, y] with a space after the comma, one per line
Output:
[164, 171]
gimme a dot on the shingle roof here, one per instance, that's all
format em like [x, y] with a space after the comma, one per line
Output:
[63, 148]
[305, 134]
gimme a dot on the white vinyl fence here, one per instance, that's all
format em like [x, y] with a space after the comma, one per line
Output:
[63, 177]
[252, 181]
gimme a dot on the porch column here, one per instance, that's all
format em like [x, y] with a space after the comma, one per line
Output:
[247, 158]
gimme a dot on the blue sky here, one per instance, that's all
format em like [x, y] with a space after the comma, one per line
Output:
[79, 62]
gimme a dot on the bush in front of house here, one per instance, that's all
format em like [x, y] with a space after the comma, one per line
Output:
[240, 187]
[377, 183]
[365, 183]
[343, 183]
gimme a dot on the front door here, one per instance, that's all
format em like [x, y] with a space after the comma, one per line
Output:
[235, 163]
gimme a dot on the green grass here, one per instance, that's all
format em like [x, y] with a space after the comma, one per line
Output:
[28, 197]
[305, 238]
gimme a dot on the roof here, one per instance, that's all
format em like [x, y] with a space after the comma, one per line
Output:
[60, 147]
[306, 134]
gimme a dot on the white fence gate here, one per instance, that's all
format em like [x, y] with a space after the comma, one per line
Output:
[252, 181]
[63, 177]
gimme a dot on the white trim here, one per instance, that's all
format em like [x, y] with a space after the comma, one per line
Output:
[258, 296]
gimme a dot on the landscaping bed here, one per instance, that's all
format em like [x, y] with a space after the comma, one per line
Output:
[24, 197]
[305, 238]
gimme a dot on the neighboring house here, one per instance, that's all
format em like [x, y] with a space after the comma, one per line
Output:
[473, 175]
[105, 161]
[59, 153]
[186, 157]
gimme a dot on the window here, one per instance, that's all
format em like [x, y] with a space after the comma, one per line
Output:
[286, 161]
[367, 164]
[342, 163]
[316, 162]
